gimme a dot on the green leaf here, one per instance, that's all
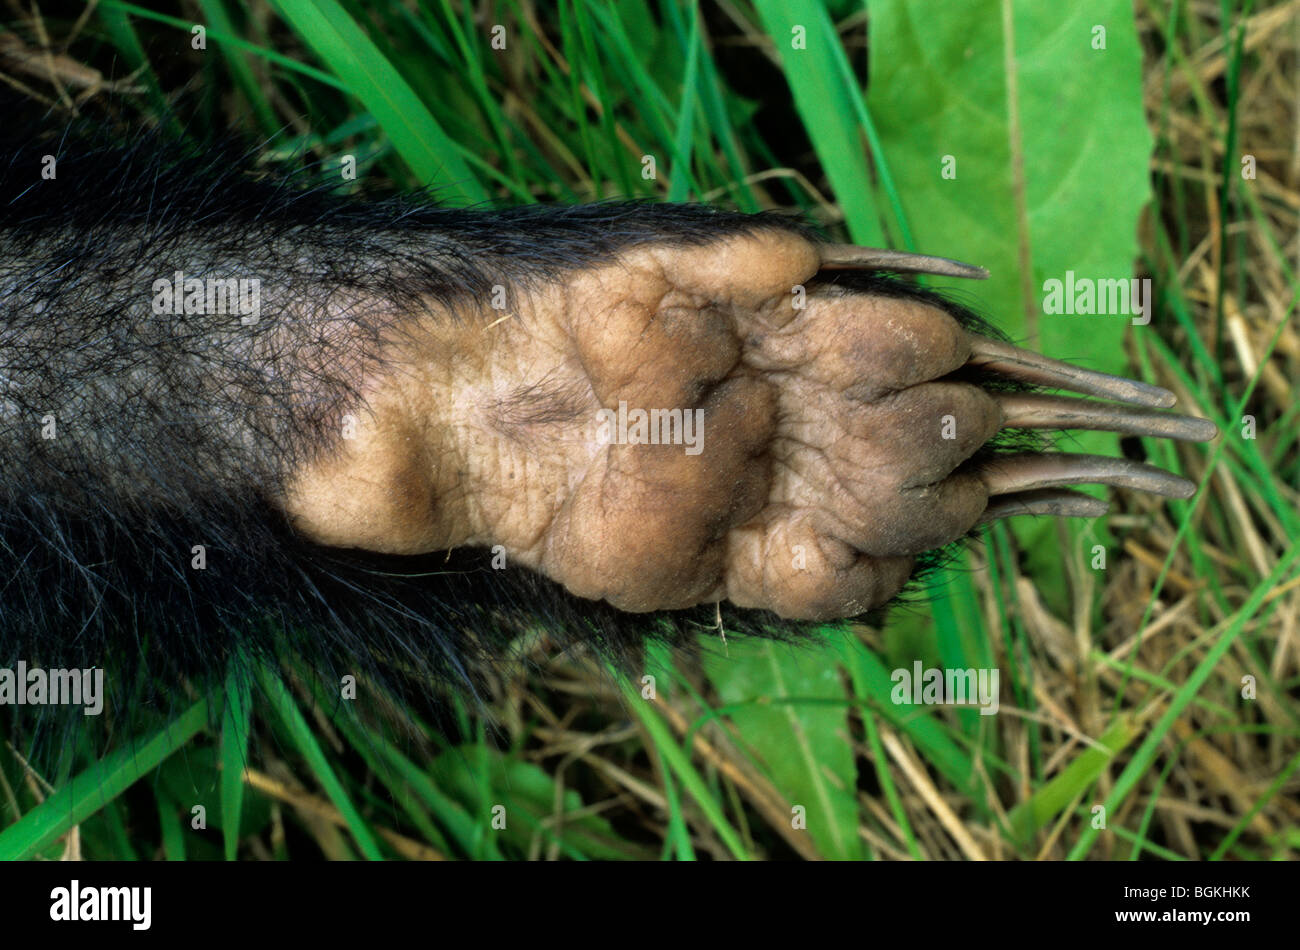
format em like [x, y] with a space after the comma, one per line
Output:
[791, 710]
[943, 85]
[1056, 187]
[483, 778]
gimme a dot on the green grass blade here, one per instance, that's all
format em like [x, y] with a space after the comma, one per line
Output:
[396, 768]
[872, 684]
[825, 104]
[173, 836]
[679, 179]
[680, 763]
[337, 39]
[91, 790]
[1076, 778]
[886, 779]
[226, 40]
[1146, 753]
[283, 703]
[218, 18]
[1274, 787]
[235, 728]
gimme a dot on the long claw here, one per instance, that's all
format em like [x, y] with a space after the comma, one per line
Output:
[1030, 367]
[1046, 501]
[1014, 473]
[1039, 411]
[853, 257]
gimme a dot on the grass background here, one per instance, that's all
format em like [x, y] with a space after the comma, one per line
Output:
[1149, 706]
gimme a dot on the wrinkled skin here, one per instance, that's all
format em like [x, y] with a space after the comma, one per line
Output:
[832, 444]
